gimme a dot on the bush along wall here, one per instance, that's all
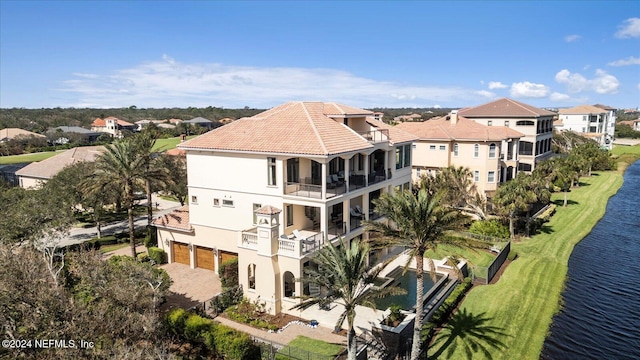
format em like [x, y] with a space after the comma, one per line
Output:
[158, 255]
[220, 340]
[444, 311]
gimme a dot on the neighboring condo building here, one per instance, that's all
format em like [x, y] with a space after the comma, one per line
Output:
[273, 188]
[489, 152]
[596, 122]
[536, 125]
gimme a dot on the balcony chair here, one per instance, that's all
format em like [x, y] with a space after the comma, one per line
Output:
[336, 180]
[330, 183]
[357, 214]
[298, 236]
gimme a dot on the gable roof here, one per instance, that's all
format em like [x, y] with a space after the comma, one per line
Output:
[504, 107]
[11, 133]
[47, 168]
[582, 109]
[177, 219]
[72, 129]
[464, 129]
[295, 127]
[605, 107]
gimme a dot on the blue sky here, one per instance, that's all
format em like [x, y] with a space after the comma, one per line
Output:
[361, 53]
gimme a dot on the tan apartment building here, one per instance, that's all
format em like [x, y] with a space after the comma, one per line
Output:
[490, 152]
[534, 123]
[274, 188]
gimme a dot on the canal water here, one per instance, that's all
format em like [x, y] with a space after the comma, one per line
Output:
[600, 316]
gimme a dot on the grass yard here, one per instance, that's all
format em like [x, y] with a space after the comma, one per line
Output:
[475, 257]
[625, 155]
[301, 346]
[25, 158]
[108, 248]
[168, 144]
[527, 296]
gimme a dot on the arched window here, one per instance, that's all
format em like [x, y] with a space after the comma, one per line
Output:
[492, 151]
[525, 123]
[476, 150]
[289, 282]
[251, 274]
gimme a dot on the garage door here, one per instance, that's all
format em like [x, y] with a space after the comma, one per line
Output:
[204, 258]
[181, 253]
[224, 256]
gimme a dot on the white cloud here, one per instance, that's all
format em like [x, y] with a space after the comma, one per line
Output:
[559, 97]
[624, 62]
[528, 89]
[630, 28]
[486, 94]
[168, 83]
[572, 38]
[602, 83]
[497, 85]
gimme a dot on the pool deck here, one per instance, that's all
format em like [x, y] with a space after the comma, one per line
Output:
[366, 317]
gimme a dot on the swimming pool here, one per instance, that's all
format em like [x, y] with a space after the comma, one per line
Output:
[407, 281]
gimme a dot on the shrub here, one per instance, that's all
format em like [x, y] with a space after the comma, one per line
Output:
[228, 273]
[194, 326]
[151, 237]
[226, 299]
[143, 257]
[512, 255]
[451, 302]
[490, 228]
[158, 255]
[175, 320]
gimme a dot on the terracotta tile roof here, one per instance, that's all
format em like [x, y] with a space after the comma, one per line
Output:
[177, 220]
[629, 122]
[605, 107]
[10, 133]
[47, 168]
[175, 152]
[268, 210]
[504, 108]
[557, 122]
[464, 129]
[103, 122]
[583, 109]
[292, 128]
[396, 135]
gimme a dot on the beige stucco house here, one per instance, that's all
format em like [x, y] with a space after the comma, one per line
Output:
[37, 173]
[536, 125]
[113, 126]
[273, 188]
[490, 152]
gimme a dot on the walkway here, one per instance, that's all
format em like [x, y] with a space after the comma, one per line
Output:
[290, 333]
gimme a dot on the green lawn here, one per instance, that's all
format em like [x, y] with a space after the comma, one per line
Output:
[168, 144]
[301, 346]
[24, 158]
[475, 257]
[527, 295]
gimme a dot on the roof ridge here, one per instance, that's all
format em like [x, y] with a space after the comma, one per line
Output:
[522, 106]
[313, 127]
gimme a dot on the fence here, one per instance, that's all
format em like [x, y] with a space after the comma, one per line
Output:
[484, 275]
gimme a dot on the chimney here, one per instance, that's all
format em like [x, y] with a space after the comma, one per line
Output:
[454, 117]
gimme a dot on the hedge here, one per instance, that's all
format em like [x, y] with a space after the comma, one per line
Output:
[442, 314]
[156, 254]
[217, 338]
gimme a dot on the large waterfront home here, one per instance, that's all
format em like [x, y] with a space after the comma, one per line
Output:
[536, 125]
[273, 188]
[595, 122]
[489, 152]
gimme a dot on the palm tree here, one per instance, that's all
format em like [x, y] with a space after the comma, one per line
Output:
[121, 165]
[461, 191]
[344, 274]
[472, 332]
[514, 197]
[419, 222]
[153, 173]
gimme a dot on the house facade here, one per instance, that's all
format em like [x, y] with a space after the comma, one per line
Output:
[535, 124]
[633, 124]
[273, 188]
[113, 126]
[590, 121]
[489, 152]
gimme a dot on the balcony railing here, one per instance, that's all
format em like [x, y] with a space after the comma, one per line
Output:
[300, 247]
[250, 239]
[375, 136]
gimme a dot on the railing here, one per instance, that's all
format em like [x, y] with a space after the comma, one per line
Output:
[375, 136]
[250, 239]
[299, 248]
[337, 228]
[303, 189]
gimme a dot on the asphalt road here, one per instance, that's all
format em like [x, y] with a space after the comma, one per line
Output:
[79, 235]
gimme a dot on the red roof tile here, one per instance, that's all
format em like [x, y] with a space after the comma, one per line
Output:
[504, 108]
[464, 129]
[178, 220]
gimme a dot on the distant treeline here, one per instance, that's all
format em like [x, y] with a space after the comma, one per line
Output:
[39, 120]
